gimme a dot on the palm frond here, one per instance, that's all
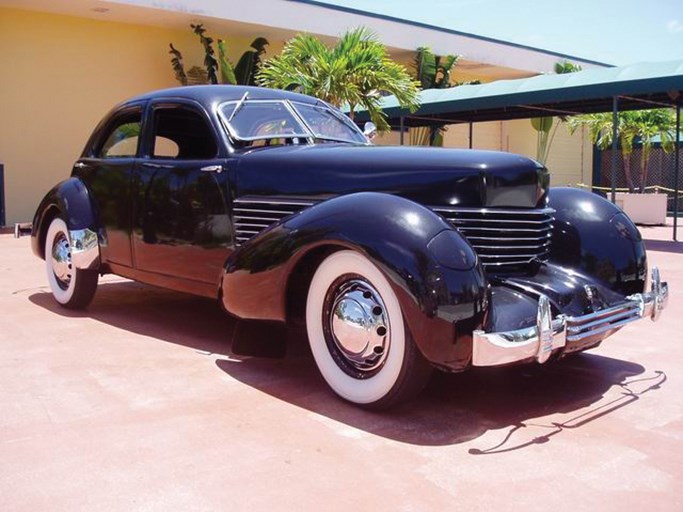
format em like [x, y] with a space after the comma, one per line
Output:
[210, 62]
[224, 64]
[178, 66]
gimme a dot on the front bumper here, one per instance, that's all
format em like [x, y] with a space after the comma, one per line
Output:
[539, 341]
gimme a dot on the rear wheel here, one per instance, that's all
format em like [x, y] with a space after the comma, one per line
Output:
[358, 338]
[71, 287]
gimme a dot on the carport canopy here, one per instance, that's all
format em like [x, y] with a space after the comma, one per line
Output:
[637, 86]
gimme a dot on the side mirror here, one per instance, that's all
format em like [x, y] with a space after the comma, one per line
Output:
[370, 130]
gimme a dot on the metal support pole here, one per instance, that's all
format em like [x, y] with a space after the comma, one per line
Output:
[401, 131]
[2, 195]
[615, 145]
[470, 135]
[677, 163]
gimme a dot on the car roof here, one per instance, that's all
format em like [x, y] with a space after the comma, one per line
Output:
[212, 94]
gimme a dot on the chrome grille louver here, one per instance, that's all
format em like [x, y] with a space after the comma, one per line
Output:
[253, 215]
[503, 237]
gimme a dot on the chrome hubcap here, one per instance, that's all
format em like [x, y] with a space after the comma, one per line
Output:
[61, 261]
[359, 325]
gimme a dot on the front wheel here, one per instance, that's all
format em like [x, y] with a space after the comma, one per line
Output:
[358, 338]
[71, 287]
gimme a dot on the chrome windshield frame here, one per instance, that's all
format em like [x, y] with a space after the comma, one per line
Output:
[308, 133]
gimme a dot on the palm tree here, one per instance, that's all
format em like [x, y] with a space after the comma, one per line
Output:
[355, 72]
[642, 125]
[433, 72]
[649, 124]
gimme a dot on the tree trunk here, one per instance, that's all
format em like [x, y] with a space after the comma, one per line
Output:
[643, 173]
[627, 172]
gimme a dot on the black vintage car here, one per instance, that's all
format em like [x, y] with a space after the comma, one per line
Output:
[396, 259]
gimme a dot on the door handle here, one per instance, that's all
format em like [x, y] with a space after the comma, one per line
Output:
[212, 168]
[80, 165]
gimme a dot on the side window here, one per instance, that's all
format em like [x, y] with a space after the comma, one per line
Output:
[181, 133]
[122, 138]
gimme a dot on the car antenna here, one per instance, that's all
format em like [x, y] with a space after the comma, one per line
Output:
[239, 105]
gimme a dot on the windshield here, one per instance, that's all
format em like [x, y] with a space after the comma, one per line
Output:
[281, 119]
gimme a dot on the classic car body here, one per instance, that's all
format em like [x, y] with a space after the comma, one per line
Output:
[398, 259]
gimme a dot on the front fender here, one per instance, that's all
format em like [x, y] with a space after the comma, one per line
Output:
[594, 237]
[70, 200]
[431, 267]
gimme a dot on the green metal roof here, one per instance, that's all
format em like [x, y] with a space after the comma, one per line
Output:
[644, 85]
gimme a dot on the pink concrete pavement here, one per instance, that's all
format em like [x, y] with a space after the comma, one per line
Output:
[136, 404]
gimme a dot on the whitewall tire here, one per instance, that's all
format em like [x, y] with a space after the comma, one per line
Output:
[71, 287]
[357, 334]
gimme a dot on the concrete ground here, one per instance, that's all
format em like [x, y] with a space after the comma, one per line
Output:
[137, 404]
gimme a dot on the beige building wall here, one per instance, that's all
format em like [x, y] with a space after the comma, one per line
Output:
[60, 76]
[570, 157]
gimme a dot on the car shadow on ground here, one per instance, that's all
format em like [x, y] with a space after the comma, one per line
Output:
[454, 408]
[664, 246]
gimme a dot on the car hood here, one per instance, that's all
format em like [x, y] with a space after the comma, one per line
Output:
[430, 176]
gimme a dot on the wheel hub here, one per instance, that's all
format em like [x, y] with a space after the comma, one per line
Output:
[359, 325]
[61, 260]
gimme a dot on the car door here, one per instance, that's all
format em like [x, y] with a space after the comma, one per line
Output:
[107, 168]
[181, 224]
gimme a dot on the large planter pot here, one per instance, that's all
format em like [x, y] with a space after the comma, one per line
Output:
[647, 209]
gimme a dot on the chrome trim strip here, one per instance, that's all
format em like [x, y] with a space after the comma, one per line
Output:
[466, 220]
[502, 229]
[511, 247]
[605, 327]
[493, 211]
[277, 212]
[498, 348]
[85, 249]
[249, 217]
[606, 312]
[274, 201]
[498, 256]
[254, 224]
[544, 239]
[580, 327]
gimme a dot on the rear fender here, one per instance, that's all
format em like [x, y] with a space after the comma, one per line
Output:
[69, 200]
[432, 269]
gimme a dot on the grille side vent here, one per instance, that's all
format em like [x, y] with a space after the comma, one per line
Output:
[253, 215]
[503, 238]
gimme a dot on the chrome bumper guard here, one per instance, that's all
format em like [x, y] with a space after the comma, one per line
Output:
[539, 341]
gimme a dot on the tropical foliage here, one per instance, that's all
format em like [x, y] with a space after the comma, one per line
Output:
[218, 70]
[433, 72]
[642, 126]
[545, 127]
[354, 73]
